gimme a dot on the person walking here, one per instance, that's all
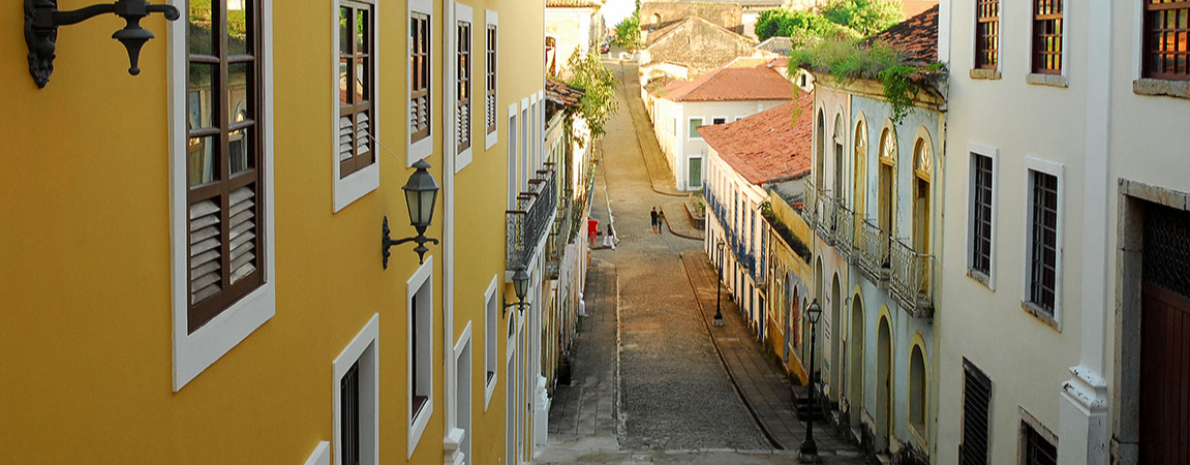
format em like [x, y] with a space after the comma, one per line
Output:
[653, 220]
[609, 238]
[660, 221]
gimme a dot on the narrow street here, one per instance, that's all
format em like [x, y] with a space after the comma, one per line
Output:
[649, 385]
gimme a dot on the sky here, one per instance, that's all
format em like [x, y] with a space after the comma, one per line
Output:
[616, 10]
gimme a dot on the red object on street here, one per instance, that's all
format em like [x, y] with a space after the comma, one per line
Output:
[592, 230]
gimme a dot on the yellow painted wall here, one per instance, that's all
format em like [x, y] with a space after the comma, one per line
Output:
[85, 356]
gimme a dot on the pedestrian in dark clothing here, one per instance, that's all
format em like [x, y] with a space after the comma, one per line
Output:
[653, 218]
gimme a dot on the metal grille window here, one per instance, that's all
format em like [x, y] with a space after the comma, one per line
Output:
[1038, 450]
[419, 76]
[981, 217]
[1047, 36]
[349, 415]
[223, 156]
[1167, 248]
[1043, 241]
[491, 80]
[463, 82]
[977, 398]
[1166, 26]
[987, 34]
[356, 88]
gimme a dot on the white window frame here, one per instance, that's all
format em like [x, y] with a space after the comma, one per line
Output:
[513, 130]
[1033, 164]
[539, 140]
[422, 285]
[524, 154]
[194, 352]
[423, 148]
[691, 133]
[491, 335]
[321, 454]
[492, 19]
[364, 348]
[464, 14]
[702, 166]
[993, 153]
[364, 181]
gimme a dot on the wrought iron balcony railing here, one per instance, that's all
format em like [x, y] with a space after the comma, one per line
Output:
[910, 281]
[528, 224]
[845, 232]
[873, 252]
[826, 217]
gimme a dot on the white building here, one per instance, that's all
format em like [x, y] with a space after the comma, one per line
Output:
[746, 159]
[571, 26]
[1068, 212]
[739, 89]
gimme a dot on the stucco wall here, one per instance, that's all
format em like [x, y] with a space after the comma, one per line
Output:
[655, 15]
[701, 47]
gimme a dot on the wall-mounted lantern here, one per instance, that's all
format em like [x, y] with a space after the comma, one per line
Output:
[42, 19]
[421, 193]
[520, 284]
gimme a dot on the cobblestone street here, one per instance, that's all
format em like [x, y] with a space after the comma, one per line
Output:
[649, 385]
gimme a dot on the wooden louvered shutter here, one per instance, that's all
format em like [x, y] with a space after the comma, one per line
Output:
[355, 87]
[223, 157]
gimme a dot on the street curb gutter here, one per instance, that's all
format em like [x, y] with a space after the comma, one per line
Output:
[734, 383]
[669, 226]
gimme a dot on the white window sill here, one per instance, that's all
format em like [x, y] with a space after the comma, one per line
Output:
[418, 426]
[1042, 315]
[420, 150]
[462, 160]
[489, 388]
[490, 140]
[356, 185]
[195, 352]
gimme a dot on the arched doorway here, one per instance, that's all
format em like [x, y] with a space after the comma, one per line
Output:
[837, 348]
[883, 414]
[856, 341]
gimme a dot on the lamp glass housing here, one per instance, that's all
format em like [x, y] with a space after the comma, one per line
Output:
[421, 193]
[814, 312]
[520, 283]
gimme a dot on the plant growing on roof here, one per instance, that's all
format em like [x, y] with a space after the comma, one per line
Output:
[847, 60]
[598, 104]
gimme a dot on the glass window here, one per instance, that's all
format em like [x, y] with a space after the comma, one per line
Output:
[1047, 36]
[1043, 240]
[987, 34]
[419, 76]
[356, 145]
[694, 124]
[1166, 52]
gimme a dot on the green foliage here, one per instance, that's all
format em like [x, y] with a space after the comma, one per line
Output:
[798, 24]
[847, 60]
[598, 104]
[628, 32]
[866, 16]
[799, 248]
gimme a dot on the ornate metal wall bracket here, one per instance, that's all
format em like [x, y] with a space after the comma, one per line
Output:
[420, 239]
[42, 19]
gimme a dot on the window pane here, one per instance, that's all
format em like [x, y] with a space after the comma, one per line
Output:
[239, 151]
[344, 65]
[239, 20]
[200, 99]
[201, 40]
[361, 31]
[344, 31]
[239, 91]
[361, 79]
[201, 164]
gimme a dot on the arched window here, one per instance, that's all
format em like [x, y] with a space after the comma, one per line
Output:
[839, 142]
[917, 391]
[861, 169]
[888, 191]
[820, 149]
[922, 167]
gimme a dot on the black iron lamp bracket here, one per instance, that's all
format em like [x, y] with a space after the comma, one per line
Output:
[42, 20]
[420, 239]
[520, 306]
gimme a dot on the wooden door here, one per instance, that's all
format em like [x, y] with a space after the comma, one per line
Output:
[1165, 377]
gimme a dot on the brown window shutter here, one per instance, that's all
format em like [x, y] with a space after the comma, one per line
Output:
[243, 233]
[345, 130]
[205, 272]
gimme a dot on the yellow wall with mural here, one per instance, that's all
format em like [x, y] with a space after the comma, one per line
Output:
[86, 366]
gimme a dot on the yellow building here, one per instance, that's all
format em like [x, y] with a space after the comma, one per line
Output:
[198, 280]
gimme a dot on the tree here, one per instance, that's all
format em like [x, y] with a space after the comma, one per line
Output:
[628, 32]
[866, 16]
[598, 104]
[787, 23]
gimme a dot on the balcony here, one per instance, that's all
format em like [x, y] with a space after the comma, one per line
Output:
[809, 201]
[827, 216]
[910, 282]
[845, 233]
[528, 224]
[873, 252]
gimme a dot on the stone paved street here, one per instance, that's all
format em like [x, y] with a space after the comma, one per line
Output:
[644, 347]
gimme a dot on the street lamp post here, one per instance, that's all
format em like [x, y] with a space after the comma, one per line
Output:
[719, 288]
[809, 450]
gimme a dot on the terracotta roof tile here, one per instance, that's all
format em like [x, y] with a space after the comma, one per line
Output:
[769, 145]
[916, 36]
[740, 80]
[561, 93]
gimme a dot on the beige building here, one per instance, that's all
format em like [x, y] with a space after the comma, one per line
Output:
[571, 26]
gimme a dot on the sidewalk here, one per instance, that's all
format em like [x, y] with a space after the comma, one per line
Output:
[765, 388]
[587, 405]
[679, 222]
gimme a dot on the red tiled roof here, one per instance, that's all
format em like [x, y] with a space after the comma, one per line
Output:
[769, 145]
[740, 80]
[916, 36]
[913, 8]
[573, 3]
[561, 93]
